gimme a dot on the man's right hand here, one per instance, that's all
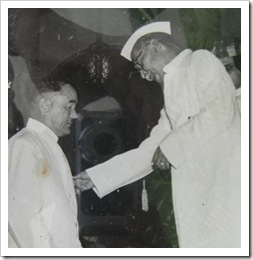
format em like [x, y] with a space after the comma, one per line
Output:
[82, 182]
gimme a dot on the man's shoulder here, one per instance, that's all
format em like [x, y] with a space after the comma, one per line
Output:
[203, 61]
[202, 54]
[23, 137]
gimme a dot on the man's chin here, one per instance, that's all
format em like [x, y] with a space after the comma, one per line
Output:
[66, 131]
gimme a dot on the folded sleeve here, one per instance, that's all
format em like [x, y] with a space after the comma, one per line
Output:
[131, 166]
[215, 93]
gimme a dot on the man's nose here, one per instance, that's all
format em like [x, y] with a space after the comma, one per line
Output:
[143, 74]
[73, 114]
[149, 77]
[146, 75]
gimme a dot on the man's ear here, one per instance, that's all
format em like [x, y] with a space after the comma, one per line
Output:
[155, 45]
[45, 105]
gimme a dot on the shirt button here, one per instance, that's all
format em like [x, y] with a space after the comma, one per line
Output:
[189, 117]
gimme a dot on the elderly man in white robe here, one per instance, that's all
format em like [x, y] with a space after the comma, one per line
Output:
[42, 201]
[197, 136]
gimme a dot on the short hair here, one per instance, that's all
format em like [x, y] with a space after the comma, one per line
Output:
[46, 88]
[46, 85]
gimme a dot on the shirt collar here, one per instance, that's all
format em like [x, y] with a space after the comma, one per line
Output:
[177, 61]
[38, 127]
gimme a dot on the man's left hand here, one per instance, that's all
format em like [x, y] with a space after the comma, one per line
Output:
[160, 161]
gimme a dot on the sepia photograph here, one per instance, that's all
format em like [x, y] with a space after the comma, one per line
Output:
[124, 128]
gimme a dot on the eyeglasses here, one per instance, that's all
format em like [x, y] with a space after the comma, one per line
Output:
[138, 64]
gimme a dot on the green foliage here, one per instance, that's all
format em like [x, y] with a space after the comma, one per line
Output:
[158, 185]
[203, 26]
[141, 16]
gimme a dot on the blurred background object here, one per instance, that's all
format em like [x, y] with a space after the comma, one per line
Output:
[228, 50]
[15, 119]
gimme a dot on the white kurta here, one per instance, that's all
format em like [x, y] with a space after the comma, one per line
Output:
[203, 146]
[42, 201]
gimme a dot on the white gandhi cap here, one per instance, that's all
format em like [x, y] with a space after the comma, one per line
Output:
[163, 27]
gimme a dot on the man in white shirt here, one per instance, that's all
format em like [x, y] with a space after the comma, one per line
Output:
[42, 201]
[197, 136]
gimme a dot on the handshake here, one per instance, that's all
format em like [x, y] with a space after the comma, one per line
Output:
[82, 182]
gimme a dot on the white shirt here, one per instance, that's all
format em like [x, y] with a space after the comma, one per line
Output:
[204, 149]
[199, 133]
[42, 202]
